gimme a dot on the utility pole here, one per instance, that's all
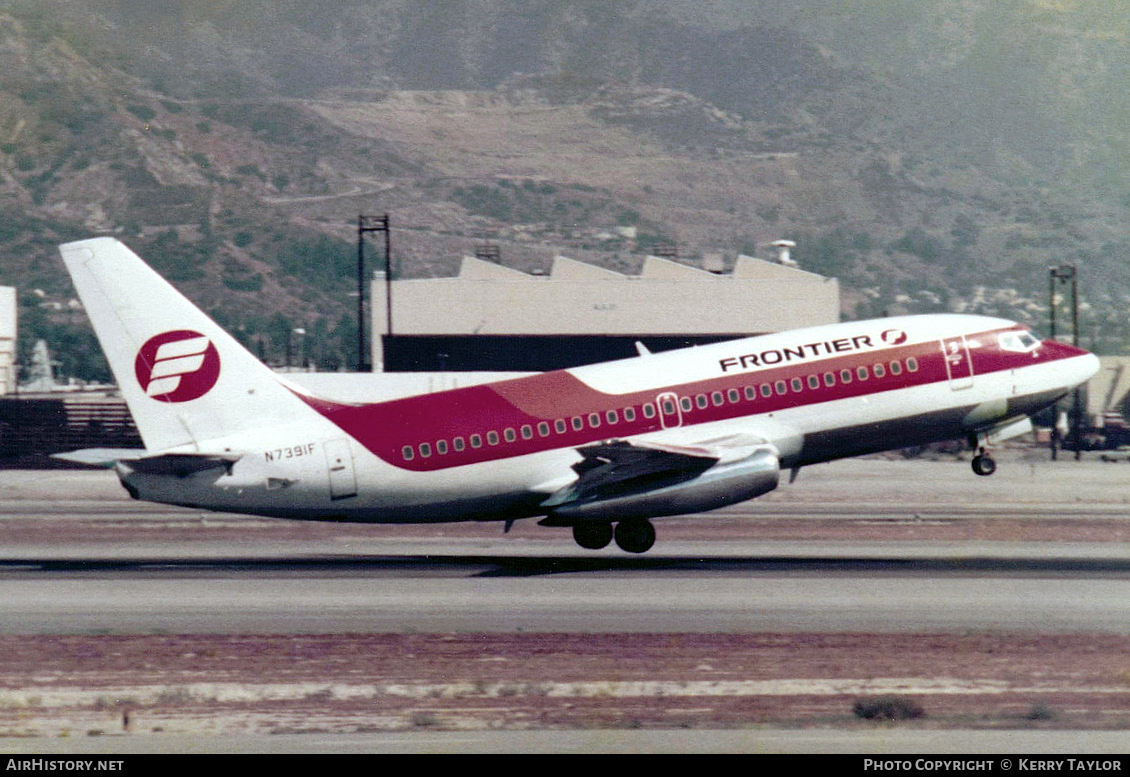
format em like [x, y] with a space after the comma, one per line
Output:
[367, 224]
[1067, 274]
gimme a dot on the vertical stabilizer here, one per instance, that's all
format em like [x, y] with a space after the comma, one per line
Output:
[186, 380]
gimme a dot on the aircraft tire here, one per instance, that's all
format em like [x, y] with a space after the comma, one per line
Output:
[636, 535]
[593, 536]
[984, 465]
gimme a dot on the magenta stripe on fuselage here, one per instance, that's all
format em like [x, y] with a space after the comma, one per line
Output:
[522, 407]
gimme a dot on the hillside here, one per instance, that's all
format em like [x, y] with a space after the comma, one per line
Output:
[934, 154]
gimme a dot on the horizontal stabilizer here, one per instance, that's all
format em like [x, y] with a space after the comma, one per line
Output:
[100, 457]
[178, 464]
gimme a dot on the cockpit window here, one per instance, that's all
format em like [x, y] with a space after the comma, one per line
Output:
[1019, 342]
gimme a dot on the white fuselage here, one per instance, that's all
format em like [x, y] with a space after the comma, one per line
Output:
[499, 451]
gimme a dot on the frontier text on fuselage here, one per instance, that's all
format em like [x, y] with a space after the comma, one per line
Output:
[771, 356]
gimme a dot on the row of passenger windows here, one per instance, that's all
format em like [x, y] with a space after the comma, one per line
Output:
[667, 403]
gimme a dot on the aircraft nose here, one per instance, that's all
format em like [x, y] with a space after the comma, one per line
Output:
[1078, 367]
[1088, 366]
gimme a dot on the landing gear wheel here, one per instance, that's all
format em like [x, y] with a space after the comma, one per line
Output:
[636, 535]
[593, 536]
[984, 465]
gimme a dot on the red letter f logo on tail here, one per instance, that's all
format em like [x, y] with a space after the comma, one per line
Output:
[177, 366]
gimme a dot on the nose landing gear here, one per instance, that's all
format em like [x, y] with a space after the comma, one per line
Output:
[984, 464]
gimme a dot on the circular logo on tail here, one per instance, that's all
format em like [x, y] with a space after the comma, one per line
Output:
[177, 366]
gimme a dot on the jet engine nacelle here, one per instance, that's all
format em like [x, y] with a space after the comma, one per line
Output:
[721, 485]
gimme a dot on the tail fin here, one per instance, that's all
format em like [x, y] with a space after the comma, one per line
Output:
[187, 382]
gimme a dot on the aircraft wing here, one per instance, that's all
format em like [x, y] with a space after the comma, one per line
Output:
[620, 479]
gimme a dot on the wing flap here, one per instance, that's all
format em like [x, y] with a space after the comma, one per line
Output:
[621, 479]
[618, 467]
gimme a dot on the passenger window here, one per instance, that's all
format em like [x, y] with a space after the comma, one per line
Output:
[733, 395]
[543, 428]
[813, 382]
[510, 435]
[895, 367]
[629, 414]
[425, 450]
[649, 410]
[458, 444]
[560, 426]
[578, 423]
[527, 432]
[594, 420]
[612, 417]
[408, 453]
[798, 385]
[862, 373]
[829, 379]
[845, 376]
[911, 364]
[476, 441]
[766, 390]
[782, 387]
[750, 393]
[716, 398]
[879, 371]
[686, 403]
[701, 401]
[441, 447]
[492, 438]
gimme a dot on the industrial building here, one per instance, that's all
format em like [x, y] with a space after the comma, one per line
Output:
[40, 417]
[493, 318]
[8, 333]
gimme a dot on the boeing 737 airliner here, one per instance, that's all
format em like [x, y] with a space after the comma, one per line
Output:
[601, 449]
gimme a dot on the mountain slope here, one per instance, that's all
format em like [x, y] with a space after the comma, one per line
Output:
[917, 150]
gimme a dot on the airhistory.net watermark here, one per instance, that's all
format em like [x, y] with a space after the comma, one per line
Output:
[61, 765]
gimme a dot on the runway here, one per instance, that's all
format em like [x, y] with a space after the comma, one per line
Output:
[394, 595]
[92, 560]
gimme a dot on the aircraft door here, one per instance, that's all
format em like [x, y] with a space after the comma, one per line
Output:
[339, 461]
[670, 414]
[959, 365]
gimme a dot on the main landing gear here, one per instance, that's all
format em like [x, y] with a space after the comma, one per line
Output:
[634, 535]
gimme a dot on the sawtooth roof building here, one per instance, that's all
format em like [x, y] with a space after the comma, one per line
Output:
[492, 318]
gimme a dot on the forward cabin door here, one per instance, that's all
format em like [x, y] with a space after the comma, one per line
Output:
[670, 414]
[959, 365]
[339, 460]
